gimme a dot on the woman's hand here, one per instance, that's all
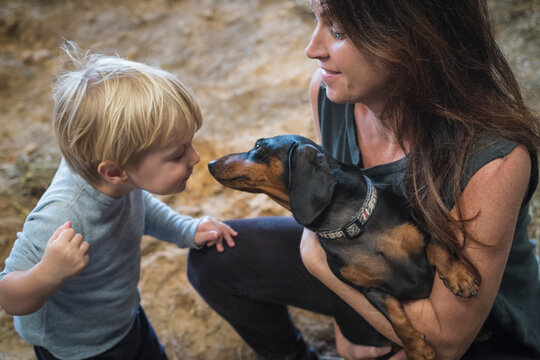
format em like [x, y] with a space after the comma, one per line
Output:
[350, 351]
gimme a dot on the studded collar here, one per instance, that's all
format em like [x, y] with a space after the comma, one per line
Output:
[356, 225]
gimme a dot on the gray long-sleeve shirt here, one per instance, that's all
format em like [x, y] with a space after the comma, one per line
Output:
[93, 311]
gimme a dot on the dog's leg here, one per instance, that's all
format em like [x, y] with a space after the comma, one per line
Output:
[414, 342]
[458, 275]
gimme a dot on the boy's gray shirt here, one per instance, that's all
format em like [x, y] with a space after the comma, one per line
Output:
[93, 311]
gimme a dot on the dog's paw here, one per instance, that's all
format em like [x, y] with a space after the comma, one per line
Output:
[419, 349]
[460, 279]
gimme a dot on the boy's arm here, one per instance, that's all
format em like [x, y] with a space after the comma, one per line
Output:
[166, 224]
[23, 292]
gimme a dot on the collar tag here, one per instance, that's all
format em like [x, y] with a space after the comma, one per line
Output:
[356, 225]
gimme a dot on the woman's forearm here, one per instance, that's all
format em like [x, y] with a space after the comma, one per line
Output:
[422, 313]
[354, 298]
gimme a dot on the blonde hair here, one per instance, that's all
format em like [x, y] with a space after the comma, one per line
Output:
[109, 108]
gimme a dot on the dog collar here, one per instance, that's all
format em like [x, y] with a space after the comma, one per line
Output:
[357, 223]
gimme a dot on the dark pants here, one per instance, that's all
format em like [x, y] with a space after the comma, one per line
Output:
[500, 346]
[141, 343]
[251, 285]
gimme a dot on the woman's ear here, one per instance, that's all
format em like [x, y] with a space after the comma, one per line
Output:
[112, 173]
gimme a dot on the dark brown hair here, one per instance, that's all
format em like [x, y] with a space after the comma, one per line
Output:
[450, 82]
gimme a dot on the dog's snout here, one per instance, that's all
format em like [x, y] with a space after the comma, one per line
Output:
[211, 165]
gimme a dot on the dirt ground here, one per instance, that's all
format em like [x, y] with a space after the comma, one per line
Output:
[244, 59]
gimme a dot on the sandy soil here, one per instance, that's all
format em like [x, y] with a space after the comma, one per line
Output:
[244, 59]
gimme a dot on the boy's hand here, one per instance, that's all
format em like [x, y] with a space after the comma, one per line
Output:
[23, 292]
[66, 255]
[212, 232]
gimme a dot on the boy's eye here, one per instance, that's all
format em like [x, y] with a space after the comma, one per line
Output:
[177, 158]
[179, 154]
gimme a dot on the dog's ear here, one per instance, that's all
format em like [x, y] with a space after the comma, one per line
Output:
[311, 184]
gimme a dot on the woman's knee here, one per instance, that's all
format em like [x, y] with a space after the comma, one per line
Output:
[201, 266]
[207, 267]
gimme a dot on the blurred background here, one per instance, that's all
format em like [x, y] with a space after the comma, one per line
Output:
[244, 59]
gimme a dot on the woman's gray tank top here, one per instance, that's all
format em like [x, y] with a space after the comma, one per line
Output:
[517, 305]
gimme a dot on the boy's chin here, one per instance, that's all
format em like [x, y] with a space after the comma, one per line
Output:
[181, 188]
[176, 190]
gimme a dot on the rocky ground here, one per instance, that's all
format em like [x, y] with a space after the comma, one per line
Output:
[244, 59]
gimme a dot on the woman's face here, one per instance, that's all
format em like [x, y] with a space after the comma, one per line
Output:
[349, 77]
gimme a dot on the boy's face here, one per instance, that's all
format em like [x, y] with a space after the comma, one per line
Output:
[165, 170]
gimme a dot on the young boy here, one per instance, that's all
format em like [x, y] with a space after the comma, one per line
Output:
[125, 131]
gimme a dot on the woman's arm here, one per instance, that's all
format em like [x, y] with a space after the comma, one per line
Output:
[494, 194]
[314, 86]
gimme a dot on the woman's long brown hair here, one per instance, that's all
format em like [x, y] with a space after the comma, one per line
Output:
[450, 82]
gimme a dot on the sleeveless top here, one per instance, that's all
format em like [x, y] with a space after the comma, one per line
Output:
[516, 309]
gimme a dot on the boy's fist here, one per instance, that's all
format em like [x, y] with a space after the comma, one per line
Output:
[66, 255]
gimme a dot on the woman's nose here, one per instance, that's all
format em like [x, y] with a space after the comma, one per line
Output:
[314, 49]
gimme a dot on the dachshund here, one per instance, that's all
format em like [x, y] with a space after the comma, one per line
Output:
[368, 233]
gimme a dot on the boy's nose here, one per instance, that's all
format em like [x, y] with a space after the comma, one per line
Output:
[194, 156]
[197, 157]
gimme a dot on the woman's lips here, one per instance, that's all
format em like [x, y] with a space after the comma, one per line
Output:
[329, 75]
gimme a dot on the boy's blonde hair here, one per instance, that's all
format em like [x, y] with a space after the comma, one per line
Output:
[109, 108]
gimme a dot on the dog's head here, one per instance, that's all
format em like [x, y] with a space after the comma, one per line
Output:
[292, 170]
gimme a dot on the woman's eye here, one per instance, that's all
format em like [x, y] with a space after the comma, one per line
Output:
[338, 35]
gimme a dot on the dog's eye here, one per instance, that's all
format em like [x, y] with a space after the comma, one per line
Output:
[257, 145]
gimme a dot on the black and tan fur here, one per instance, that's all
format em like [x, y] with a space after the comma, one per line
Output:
[390, 261]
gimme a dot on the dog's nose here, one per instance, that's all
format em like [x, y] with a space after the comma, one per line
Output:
[211, 165]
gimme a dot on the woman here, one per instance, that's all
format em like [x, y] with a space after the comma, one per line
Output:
[418, 95]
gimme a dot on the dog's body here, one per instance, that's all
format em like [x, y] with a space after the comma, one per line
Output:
[368, 234]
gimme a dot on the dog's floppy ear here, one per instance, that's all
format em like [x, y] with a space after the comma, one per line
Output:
[310, 183]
